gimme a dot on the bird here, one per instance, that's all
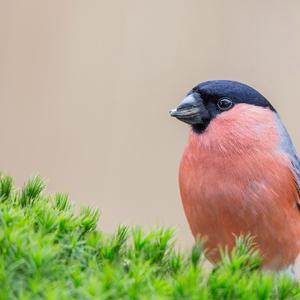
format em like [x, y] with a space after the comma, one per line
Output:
[239, 173]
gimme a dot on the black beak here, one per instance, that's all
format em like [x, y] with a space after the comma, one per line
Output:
[190, 110]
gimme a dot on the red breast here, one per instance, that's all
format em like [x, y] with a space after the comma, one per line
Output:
[235, 180]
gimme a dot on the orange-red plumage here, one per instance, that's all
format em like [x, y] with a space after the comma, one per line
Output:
[234, 179]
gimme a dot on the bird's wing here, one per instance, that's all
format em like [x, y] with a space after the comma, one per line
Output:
[296, 166]
[288, 148]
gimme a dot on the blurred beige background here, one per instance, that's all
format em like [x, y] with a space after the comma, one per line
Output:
[85, 89]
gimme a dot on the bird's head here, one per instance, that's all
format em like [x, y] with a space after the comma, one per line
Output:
[209, 99]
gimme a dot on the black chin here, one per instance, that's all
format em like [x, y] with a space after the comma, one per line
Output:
[200, 128]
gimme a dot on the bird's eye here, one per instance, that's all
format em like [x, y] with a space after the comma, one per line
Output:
[224, 104]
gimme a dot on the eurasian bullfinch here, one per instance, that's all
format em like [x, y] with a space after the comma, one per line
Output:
[239, 172]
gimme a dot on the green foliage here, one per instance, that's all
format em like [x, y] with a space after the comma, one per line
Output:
[49, 252]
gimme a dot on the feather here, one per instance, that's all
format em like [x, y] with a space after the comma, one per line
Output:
[286, 146]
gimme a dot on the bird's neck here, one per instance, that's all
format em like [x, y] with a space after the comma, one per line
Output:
[245, 129]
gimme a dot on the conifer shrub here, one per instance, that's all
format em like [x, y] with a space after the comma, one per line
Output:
[49, 252]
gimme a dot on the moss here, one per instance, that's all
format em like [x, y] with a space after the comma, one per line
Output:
[49, 252]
